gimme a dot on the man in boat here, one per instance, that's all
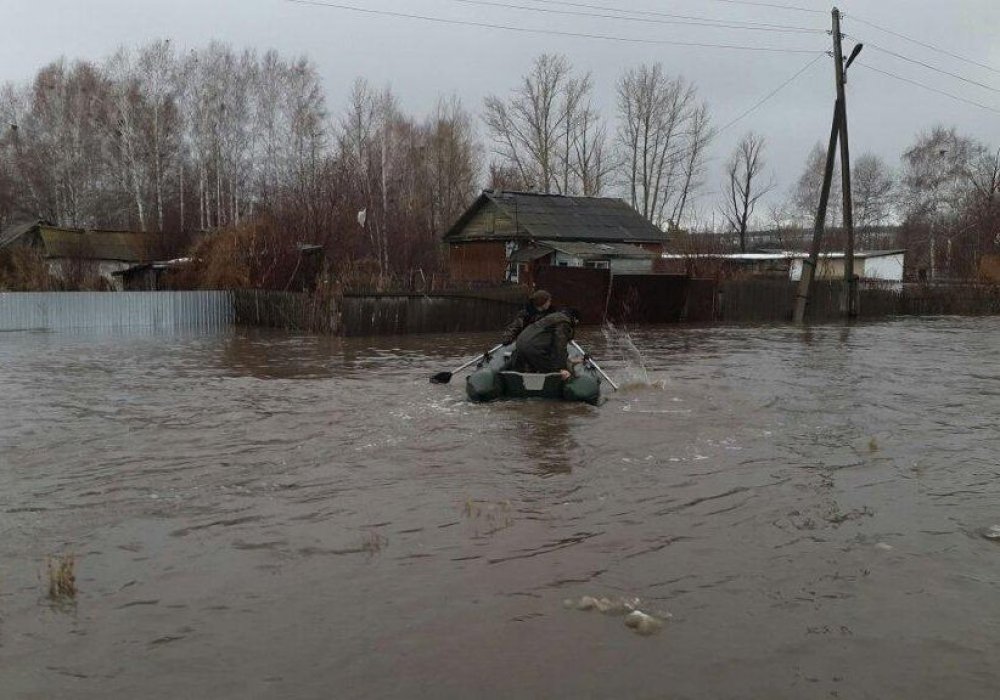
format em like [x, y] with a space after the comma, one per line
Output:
[539, 304]
[541, 346]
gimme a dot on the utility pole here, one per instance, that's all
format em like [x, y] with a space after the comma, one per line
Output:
[850, 281]
[838, 133]
[809, 265]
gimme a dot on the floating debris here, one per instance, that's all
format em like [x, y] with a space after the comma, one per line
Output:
[873, 445]
[62, 578]
[992, 533]
[638, 621]
[643, 624]
[605, 606]
[883, 546]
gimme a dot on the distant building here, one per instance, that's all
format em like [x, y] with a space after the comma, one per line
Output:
[104, 252]
[873, 266]
[503, 236]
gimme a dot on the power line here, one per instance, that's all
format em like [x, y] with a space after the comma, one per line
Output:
[773, 6]
[928, 87]
[547, 32]
[771, 94]
[930, 67]
[677, 19]
[654, 13]
[924, 44]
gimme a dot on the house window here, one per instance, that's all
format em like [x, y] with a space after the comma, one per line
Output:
[563, 263]
[597, 264]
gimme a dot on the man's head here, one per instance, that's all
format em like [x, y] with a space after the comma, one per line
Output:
[573, 314]
[541, 300]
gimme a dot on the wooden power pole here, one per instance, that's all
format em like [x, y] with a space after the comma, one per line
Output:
[838, 133]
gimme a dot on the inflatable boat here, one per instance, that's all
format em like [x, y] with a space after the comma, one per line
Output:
[492, 380]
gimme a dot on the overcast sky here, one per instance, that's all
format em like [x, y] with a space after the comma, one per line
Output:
[422, 60]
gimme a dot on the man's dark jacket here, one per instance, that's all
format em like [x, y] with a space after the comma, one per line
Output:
[541, 347]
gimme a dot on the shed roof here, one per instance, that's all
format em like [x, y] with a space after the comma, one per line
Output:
[776, 255]
[15, 231]
[58, 242]
[553, 217]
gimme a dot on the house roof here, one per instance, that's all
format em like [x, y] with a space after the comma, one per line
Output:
[552, 217]
[57, 242]
[581, 249]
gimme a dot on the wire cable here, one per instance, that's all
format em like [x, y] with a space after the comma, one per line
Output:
[548, 32]
[900, 56]
[678, 19]
[773, 6]
[655, 13]
[928, 87]
[924, 44]
[771, 94]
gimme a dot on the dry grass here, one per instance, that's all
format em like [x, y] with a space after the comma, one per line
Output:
[24, 270]
[62, 578]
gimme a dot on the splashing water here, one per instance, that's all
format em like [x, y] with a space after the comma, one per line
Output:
[633, 370]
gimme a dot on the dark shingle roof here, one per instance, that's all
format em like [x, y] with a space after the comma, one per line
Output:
[557, 217]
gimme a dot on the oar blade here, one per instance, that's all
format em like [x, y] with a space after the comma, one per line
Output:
[441, 378]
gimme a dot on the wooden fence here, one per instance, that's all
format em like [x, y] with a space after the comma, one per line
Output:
[440, 312]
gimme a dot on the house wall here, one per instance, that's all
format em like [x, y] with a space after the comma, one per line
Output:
[102, 268]
[631, 266]
[489, 221]
[884, 267]
[827, 269]
[484, 261]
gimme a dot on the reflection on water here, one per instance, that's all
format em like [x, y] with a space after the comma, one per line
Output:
[272, 515]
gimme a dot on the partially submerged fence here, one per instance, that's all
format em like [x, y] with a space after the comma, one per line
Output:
[293, 311]
[764, 300]
[201, 310]
[632, 299]
[402, 313]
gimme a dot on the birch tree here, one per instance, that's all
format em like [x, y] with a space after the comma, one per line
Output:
[546, 126]
[662, 138]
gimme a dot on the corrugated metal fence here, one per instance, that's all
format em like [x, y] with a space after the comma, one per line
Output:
[204, 310]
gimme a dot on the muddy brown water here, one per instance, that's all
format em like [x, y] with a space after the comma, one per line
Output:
[272, 516]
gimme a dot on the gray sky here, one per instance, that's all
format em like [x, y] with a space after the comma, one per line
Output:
[422, 60]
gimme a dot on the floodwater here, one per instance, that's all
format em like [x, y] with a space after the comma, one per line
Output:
[273, 516]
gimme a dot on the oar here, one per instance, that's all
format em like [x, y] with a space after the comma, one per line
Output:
[445, 377]
[596, 366]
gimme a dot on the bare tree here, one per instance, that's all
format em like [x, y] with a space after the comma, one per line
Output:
[743, 185]
[662, 138]
[546, 130]
[805, 195]
[699, 135]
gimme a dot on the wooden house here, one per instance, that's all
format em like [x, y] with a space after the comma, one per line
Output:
[503, 235]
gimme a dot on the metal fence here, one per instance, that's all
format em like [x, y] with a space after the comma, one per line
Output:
[204, 310]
